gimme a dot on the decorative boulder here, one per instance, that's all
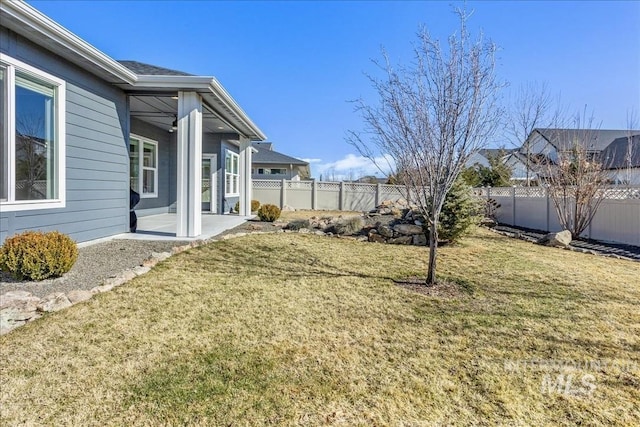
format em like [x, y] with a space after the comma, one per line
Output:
[54, 302]
[385, 231]
[408, 229]
[560, 239]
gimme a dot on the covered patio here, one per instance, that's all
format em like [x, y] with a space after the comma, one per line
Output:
[201, 140]
[163, 227]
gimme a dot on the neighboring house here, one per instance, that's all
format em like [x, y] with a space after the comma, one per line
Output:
[79, 129]
[270, 164]
[481, 157]
[606, 145]
[517, 162]
[622, 158]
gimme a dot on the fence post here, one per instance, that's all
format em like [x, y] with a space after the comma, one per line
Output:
[314, 195]
[548, 207]
[283, 193]
[341, 198]
[378, 194]
[513, 196]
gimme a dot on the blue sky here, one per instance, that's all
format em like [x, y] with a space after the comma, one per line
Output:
[294, 66]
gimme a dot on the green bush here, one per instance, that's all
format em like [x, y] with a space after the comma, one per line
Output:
[349, 226]
[269, 213]
[35, 255]
[459, 212]
[254, 206]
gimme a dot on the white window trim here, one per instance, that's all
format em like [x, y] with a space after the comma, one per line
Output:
[230, 173]
[12, 205]
[142, 140]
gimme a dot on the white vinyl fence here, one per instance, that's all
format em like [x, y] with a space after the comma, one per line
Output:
[617, 218]
[341, 196]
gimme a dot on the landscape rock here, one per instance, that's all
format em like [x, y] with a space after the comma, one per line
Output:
[408, 229]
[488, 222]
[18, 298]
[78, 295]
[140, 270]
[160, 256]
[560, 239]
[385, 231]
[288, 208]
[16, 309]
[420, 240]
[402, 240]
[376, 238]
[54, 302]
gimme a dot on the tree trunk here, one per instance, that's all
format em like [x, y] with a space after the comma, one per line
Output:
[433, 250]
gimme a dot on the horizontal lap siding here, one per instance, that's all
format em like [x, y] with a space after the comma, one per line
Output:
[97, 160]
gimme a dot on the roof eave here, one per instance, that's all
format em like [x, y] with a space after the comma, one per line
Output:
[45, 27]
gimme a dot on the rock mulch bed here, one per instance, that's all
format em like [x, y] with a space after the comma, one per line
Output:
[611, 250]
[99, 268]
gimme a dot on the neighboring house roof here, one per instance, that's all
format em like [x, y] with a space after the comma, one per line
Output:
[622, 153]
[564, 139]
[151, 70]
[266, 155]
[493, 152]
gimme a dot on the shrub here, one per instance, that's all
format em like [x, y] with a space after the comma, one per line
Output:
[254, 206]
[297, 224]
[459, 212]
[349, 226]
[35, 255]
[269, 213]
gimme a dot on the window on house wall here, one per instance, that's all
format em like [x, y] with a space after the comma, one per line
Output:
[32, 134]
[143, 166]
[231, 174]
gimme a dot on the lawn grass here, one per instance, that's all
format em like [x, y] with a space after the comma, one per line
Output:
[307, 330]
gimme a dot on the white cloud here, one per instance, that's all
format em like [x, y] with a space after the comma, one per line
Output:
[351, 167]
[312, 160]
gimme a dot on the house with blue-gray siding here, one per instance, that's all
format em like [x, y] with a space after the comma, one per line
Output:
[80, 129]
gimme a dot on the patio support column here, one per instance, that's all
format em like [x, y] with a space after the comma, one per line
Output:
[189, 179]
[245, 176]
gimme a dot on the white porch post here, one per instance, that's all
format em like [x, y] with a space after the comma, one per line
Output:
[245, 176]
[189, 180]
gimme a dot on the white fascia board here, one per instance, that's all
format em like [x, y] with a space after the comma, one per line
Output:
[230, 103]
[30, 17]
[172, 82]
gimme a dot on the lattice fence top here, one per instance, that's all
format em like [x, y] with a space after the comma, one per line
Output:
[267, 183]
[500, 192]
[329, 186]
[355, 187]
[611, 193]
[299, 185]
[529, 191]
[622, 193]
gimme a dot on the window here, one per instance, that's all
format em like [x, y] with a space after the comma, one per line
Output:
[32, 111]
[231, 174]
[143, 166]
[272, 171]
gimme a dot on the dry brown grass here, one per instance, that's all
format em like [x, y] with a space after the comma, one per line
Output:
[299, 329]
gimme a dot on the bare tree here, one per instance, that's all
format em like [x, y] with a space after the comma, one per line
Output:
[632, 123]
[529, 108]
[577, 179]
[431, 116]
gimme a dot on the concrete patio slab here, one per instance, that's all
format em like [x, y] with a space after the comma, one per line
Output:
[163, 227]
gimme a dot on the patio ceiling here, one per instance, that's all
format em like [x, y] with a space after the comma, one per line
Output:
[161, 110]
